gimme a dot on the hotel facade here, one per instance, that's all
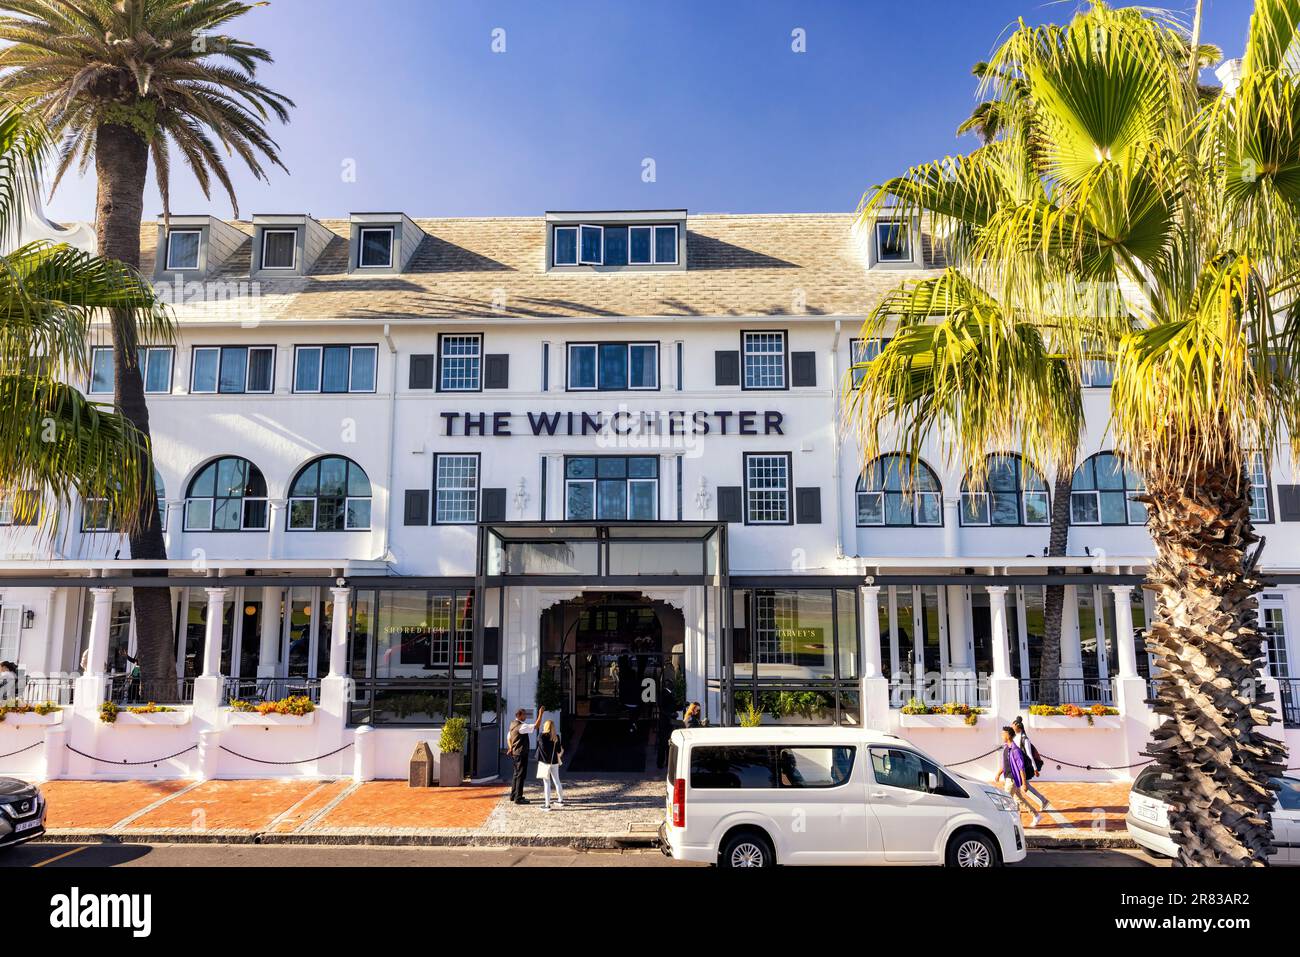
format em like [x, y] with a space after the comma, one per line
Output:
[412, 467]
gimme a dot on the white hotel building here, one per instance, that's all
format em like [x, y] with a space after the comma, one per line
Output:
[406, 466]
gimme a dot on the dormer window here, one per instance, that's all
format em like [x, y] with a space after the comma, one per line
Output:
[893, 242]
[622, 240]
[183, 248]
[376, 248]
[279, 248]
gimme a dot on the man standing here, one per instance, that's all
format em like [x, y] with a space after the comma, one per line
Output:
[517, 748]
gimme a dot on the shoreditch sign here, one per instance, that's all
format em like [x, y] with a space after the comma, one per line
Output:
[624, 422]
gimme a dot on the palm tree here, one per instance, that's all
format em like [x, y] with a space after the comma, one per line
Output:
[51, 437]
[124, 81]
[1157, 228]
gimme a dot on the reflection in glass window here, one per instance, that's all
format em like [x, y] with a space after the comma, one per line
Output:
[329, 495]
[814, 767]
[228, 495]
[611, 488]
[1102, 493]
[887, 496]
[1013, 493]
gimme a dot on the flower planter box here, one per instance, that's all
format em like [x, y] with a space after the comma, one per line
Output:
[253, 719]
[31, 719]
[941, 721]
[161, 719]
[1060, 722]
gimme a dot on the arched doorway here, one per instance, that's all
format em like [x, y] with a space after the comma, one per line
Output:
[618, 658]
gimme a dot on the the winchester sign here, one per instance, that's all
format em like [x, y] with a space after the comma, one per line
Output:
[623, 422]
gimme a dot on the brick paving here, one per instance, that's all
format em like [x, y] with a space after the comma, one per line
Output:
[101, 804]
[1096, 806]
[226, 806]
[394, 807]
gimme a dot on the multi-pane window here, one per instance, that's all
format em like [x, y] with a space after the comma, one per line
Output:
[6, 510]
[764, 360]
[460, 360]
[887, 496]
[331, 494]
[375, 248]
[1261, 496]
[451, 630]
[613, 366]
[774, 613]
[279, 248]
[456, 490]
[1012, 494]
[767, 489]
[334, 368]
[1272, 621]
[611, 487]
[183, 249]
[155, 369]
[893, 242]
[95, 516]
[233, 369]
[862, 351]
[589, 245]
[1102, 493]
[228, 495]
[1097, 373]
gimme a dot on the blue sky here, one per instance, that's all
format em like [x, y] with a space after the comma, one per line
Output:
[436, 123]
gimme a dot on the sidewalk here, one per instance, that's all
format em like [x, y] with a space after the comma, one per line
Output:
[601, 811]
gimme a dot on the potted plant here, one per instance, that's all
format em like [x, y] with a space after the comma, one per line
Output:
[1068, 717]
[451, 747]
[295, 710]
[951, 714]
[25, 714]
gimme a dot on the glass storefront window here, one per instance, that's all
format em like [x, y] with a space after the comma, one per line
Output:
[846, 631]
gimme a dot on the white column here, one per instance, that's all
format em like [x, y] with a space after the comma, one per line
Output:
[998, 621]
[959, 657]
[872, 667]
[339, 632]
[951, 525]
[212, 633]
[1124, 630]
[100, 617]
[1071, 652]
[268, 658]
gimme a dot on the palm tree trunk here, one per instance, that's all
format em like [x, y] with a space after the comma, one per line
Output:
[1209, 653]
[121, 164]
[1058, 543]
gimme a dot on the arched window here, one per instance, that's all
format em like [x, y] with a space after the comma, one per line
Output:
[1102, 491]
[228, 495]
[331, 494]
[886, 497]
[1013, 493]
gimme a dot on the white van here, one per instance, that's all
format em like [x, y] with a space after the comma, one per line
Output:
[756, 797]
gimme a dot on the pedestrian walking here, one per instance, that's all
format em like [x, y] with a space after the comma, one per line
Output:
[550, 753]
[1033, 760]
[517, 748]
[1013, 769]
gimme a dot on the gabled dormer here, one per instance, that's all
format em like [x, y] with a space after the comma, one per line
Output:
[194, 247]
[286, 245]
[893, 240]
[382, 244]
[645, 240]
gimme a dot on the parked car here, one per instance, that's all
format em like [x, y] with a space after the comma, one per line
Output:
[22, 812]
[757, 797]
[1148, 817]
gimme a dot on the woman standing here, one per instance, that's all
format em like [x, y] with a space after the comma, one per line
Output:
[549, 755]
[692, 717]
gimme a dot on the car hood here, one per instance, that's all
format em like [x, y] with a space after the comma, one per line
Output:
[12, 787]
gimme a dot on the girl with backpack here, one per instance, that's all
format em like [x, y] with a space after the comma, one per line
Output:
[1033, 760]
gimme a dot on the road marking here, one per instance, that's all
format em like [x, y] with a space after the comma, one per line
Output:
[284, 815]
[330, 805]
[59, 857]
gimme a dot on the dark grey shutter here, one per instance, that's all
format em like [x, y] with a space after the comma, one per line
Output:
[422, 372]
[417, 506]
[496, 371]
[1288, 500]
[726, 368]
[729, 503]
[803, 368]
[808, 506]
[493, 505]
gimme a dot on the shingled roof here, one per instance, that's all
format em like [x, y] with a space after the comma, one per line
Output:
[494, 268]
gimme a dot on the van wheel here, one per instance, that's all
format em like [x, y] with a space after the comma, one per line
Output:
[747, 849]
[972, 849]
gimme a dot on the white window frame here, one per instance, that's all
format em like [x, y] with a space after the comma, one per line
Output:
[347, 503]
[443, 357]
[600, 258]
[916, 509]
[745, 352]
[198, 249]
[87, 507]
[627, 480]
[361, 246]
[787, 489]
[1257, 467]
[637, 262]
[212, 511]
[279, 232]
[95, 353]
[438, 487]
[11, 626]
[7, 510]
[654, 245]
[145, 359]
[568, 367]
[880, 246]
[248, 369]
[302, 528]
[965, 511]
[627, 358]
[555, 246]
[320, 368]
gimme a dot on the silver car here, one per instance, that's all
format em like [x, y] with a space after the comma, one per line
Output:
[1148, 817]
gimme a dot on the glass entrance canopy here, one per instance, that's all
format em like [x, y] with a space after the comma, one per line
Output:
[602, 552]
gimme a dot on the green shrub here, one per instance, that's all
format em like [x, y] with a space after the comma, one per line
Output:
[454, 733]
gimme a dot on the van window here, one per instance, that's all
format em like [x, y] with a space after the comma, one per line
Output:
[733, 767]
[672, 761]
[900, 768]
[814, 767]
